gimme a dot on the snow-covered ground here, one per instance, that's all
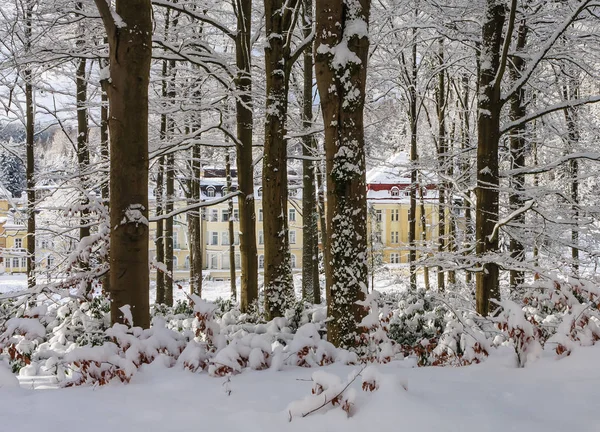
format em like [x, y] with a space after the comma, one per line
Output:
[11, 283]
[551, 395]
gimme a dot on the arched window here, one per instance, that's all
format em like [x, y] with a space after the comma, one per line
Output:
[395, 191]
[210, 192]
[259, 192]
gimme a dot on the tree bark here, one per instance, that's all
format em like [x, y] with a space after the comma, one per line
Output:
[105, 155]
[30, 153]
[517, 151]
[232, 276]
[341, 87]
[245, 166]
[488, 122]
[311, 290]
[442, 162]
[195, 221]
[130, 52]
[279, 284]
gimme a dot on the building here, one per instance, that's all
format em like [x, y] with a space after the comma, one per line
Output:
[388, 191]
[387, 196]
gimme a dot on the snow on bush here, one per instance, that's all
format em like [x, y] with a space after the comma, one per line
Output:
[71, 338]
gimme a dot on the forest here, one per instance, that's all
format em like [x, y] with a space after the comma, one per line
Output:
[215, 199]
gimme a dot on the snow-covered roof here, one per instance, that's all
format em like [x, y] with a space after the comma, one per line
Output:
[394, 171]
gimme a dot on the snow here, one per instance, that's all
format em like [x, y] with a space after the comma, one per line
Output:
[552, 395]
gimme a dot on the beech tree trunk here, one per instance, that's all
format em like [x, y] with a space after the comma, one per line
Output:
[465, 167]
[83, 154]
[442, 163]
[160, 234]
[488, 122]
[517, 152]
[311, 290]
[570, 92]
[195, 221]
[29, 152]
[341, 87]
[279, 284]
[411, 72]
[245, 166]
[232, 276]
[130, 48]
[105, 155]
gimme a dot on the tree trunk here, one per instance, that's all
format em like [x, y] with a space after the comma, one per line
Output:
[83, 155]
[488, 122]
[130, 43]
[30, 154]
[195, 221]
[279, 284]
[232, 275]
[424, 237]
[311, 290]
[570, 92]
[442, 162]
[341, 87]
[245, 166]
[517, 152]
[412, 209]
[160, 234]
[105, 155]
[465, 167]
[169, 206]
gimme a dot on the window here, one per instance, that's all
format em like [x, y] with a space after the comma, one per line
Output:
[293, 260]
[225, 238]
[395, 215]
[292, 237]
[377, 237]
[260, 215]
[210, 192]
[7, 262]
[175, 262]
[186, 263]
[214, 215]
[261, 261]
[395, 237]
[236, 215]
[224, 215]
[15, 262]
[23, 262]
[18, 244]
[378, 215]
[236, 237]
[225, 261]
[212, 261]
[50, 261]
[261, 237]
[292, 192]
[238, 261]
[292, 215]
[44, 244]
[395, 192]
[259, 192]
[214, 240]
[395, 258]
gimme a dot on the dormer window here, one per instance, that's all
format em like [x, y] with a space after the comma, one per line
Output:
[210, 192]
[395, 191]
[259, 192]
[292, 192]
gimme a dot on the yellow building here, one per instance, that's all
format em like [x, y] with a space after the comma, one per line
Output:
[388, 188]
[13, 239]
